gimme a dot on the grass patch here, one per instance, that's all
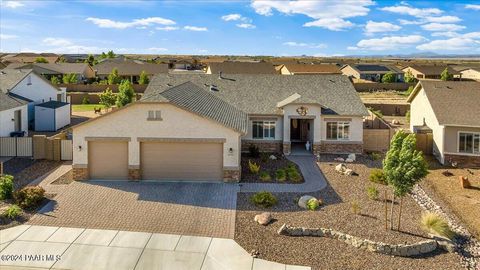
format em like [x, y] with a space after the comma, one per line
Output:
[86, 107]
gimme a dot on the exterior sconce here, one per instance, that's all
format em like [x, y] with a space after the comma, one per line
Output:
[79, 148]
[230, 150]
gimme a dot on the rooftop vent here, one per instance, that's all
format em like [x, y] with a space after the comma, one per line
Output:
[213, 88]
[169, 84]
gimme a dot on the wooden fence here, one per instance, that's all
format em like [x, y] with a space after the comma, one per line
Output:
[39, 147]
[16, 147]
[97, 88]
[425, 142]
[93, 98]
[377, 140]
[366, 87]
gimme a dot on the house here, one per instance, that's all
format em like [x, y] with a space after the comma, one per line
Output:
[371, 72]
[232, 67]
[30, 57]
[429, 71]
[128, 69]
[308, 69]
[13, 109]
[450, 112]
[82, 71]
[472, 74]
[26, 85]
[195, 126]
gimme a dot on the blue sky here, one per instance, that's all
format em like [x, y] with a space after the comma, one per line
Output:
[281, 28]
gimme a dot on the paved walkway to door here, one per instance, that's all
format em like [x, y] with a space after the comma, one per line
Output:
[79, 248]
[206, 209]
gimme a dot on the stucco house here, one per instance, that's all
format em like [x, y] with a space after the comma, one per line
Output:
[472, 73]
[451, 112]
[194, 127]
[429, 71]
[26, 85]
[371, 72]
[128, 68]
[308, 69]
[13, 111]
[82, 71]
[238, 67]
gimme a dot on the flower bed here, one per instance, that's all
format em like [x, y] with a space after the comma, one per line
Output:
[270, 167]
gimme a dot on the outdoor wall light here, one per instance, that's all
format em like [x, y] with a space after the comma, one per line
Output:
[230, 150]
[79, 148]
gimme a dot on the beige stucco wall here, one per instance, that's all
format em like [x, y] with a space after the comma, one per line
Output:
[451, 137]
[356, 127]
[132, 122]
[284, 71]
[349, 71]
[416, 74]
[471, 74]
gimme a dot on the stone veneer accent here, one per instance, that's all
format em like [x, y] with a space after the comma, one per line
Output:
[134, 174]
[401, 250]
[287, 148]
[338, 148]
[231, 175]
[80, 174]
[263, 145]
[463, 161]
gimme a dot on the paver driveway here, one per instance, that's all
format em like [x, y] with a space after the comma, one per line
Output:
[203, 209]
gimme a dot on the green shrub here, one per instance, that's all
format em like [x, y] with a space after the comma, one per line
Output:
[377, 176]
[355, 208]
[85, 100]
[265, 176]
[313, 204]
[6, 187]
[281, 175]
[263, 199]
[29, 197]
[293, 174]
[253, 167]
[253, 151]
[12, 212]
[407, 116]
[375, 156]
[434, 224]
[264, 157]
[291, 165]
[372, 193]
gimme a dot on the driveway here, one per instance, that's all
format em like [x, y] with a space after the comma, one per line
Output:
[201, 209]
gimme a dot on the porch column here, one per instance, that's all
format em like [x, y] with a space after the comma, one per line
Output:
[286, 135]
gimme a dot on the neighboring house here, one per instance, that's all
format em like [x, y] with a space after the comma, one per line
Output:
[13, 110]
[75, 58]
[183, 64]
[194, 127]
[451, 112]
[371, 72]
[48, 70]
[429, 71]
[232, 67]
[308, 69]
[26, 85]
[471, 74]
[30, 57]
[128, 69]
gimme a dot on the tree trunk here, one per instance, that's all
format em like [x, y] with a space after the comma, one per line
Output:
[400, 213]
[391, 212]
[386, 210]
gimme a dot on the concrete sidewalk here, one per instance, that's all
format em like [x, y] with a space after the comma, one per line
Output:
[43, 247]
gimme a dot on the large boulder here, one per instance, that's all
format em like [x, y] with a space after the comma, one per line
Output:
[352, 157]
[340, 168]
[302, 202]
[263, 218]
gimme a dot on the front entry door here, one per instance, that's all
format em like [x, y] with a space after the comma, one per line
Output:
[17, 116]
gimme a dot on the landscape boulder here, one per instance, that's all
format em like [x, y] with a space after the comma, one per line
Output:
[263, 218]
[273, 157]
[353, 157]
[339, 159]
[302, 202]
[341, 168]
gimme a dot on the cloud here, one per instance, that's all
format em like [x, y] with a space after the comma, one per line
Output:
[231, 17]
[5, 36]
[246, 25]
[328, 14]
[443, 19]
[416, 12]
[107, 23]
[387, 43]
[157, 49]
[195, 28]
[442, 27]
[56, 42]
[452, 44]
[302, 44]
[377, 27]
[474, 7]
[167, 28]
[12, 4]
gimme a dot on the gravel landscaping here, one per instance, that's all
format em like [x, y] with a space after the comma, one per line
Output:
[65, 179]
[270, 166]
[25, 170]
[336, 213]
[23, 217]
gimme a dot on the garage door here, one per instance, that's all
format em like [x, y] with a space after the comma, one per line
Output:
[108, 160]
[181, 161]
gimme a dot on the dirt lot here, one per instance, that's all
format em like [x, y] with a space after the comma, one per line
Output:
[464, 203]
[322, 253]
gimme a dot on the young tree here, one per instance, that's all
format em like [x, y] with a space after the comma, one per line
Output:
[403, 167]
[113, 77]
[389, 77]
[126, 93]
[103, 55]
[111, 54]
[41, 60]
[409, 78]
[446, 76]
[143, 78]
[54, 80]
[69, 78]
[107, 98]
[91, 60]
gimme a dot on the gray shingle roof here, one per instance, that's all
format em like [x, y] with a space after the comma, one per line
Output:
[454, 103]
[129, 67]
[433, 69]
[259, 94]
[8, 80]
[9, 102]
[193, 98]
[375, 68]
[242, 68]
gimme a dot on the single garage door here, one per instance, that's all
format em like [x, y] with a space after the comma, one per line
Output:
[108, 160]
[181, 161]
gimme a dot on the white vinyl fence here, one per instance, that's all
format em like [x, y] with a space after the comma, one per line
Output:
[16, 147]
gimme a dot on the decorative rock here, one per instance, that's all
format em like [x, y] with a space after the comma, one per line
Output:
[282, 230]
[254, 253]
[348, 172]
[263, 218]
[340, 168]
[353, 157]
[272, 157]
[339, 159]
[395, 122]
[349, 160]
[302, 202]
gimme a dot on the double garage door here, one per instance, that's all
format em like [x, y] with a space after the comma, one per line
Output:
[189, 161]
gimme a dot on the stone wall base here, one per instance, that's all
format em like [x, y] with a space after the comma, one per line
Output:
[80, 174]
[338, 148]
[463, 161]
[231, 175]
[134, 174]
[287, 148]
[263, 146]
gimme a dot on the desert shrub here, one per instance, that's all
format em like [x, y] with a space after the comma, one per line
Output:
[12, 212]
[6, 187]
[85, 100]
[253, 167]
[263, 199]
[29, 197]
[281, 175]
[264, 157]
[375, 156]
[253, 151]
[291, 165]
[293, 174]
[372, 193]
[434, 224]
[355, 208]
[377, 176]
[265, 176]
[313, 204]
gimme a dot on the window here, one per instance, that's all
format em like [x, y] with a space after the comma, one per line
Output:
[154, 115]
[263, 130]
[338, 130]
[469, 143]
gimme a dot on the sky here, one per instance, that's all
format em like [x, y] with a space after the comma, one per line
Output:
[258, 27]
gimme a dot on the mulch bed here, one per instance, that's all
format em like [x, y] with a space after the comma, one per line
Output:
[65, 179]
[266, 164]
[25, 170]
[324, 253]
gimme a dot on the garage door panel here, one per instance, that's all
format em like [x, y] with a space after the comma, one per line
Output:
[182, 161]
[108, 160]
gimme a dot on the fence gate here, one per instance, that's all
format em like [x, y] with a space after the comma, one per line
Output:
[16, 147]
[66, 150]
